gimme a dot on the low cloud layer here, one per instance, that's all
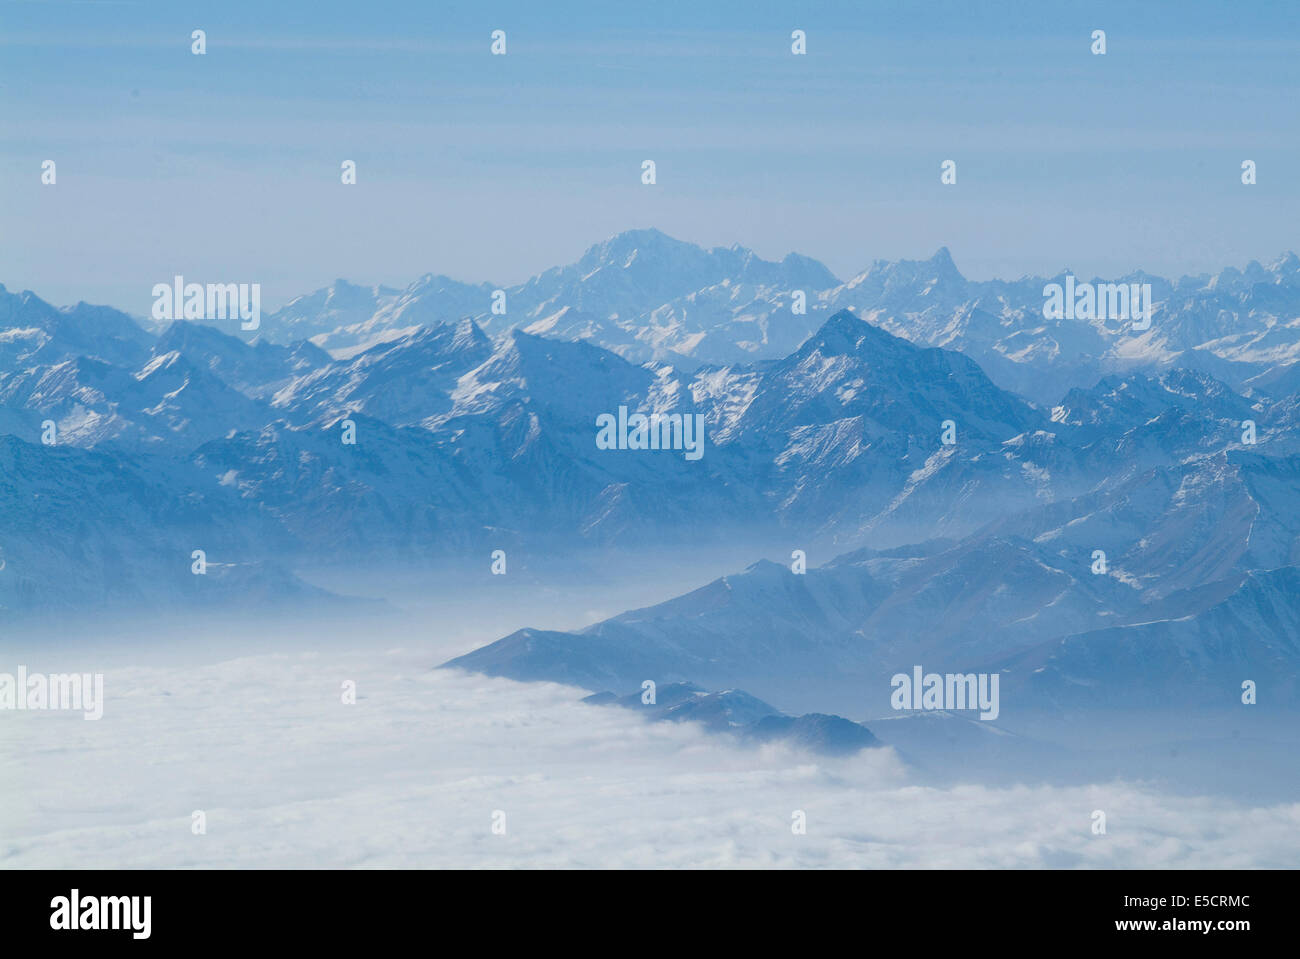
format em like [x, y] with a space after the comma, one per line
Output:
[410, 776]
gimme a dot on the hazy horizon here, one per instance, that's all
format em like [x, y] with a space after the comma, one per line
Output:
[494, 168]
[271, 304]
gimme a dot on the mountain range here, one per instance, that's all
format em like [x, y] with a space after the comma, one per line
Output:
[649, 297]
[950, 462]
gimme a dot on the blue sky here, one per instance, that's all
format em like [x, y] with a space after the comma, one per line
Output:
[225, 167]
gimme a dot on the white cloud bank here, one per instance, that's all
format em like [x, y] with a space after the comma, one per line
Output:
[288, 776]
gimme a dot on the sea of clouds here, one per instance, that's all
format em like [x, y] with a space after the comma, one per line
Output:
[411, 774]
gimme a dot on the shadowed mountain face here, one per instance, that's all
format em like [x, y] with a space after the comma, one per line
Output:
[37, 334]
[751, 720]
[1193, 595]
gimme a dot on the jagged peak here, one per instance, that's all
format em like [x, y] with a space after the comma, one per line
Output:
[943, 257]
[1287, 262]
[844, 330]
[623, 244]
